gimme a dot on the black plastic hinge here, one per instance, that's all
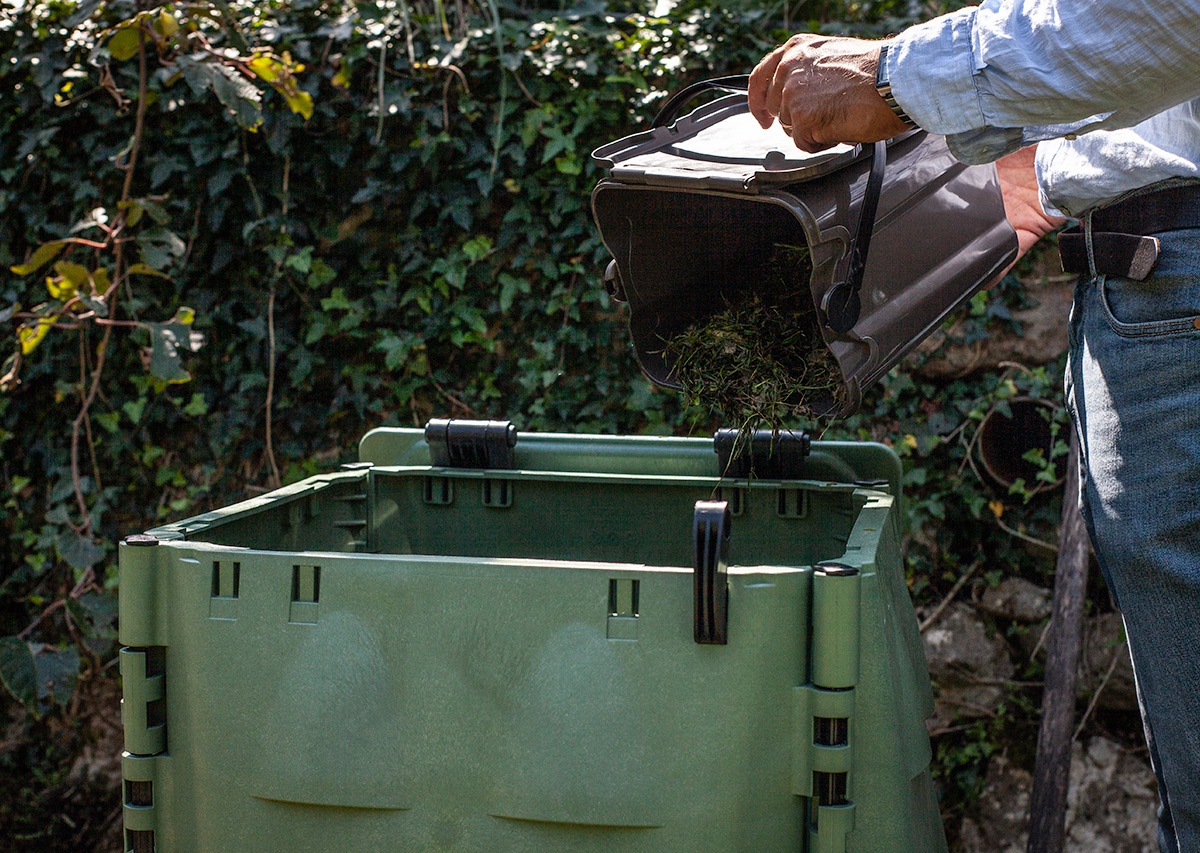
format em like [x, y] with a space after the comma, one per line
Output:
[766, 454]
[710, 559]
[471, 444]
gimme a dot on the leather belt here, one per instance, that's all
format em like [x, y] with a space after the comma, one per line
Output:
[1116, 254]
[1122, 244]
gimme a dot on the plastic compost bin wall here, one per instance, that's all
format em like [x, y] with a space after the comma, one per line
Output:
[402, 657]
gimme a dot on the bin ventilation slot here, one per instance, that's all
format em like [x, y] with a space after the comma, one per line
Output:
[831, 731]
[623, 596]
[139, 793]
[791, 503]
[226, 590]
[497, 493]
[226, 579]
[471, 444]
[829, 789]
[766, 454]
[306, 592]
[710, 559]
[306, 583]
[139, 841]
[439, 491]
[623, 608]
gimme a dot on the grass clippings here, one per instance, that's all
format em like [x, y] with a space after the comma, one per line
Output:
[761, 362]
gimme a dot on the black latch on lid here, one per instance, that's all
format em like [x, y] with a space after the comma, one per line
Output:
[471, 444]
[710, 559]
[766, 454]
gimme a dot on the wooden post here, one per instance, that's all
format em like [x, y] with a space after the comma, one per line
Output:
[1052, 766]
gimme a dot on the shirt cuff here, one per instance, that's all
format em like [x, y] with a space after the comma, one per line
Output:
[931, 69]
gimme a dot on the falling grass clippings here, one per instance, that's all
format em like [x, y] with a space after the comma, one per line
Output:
[761, 362]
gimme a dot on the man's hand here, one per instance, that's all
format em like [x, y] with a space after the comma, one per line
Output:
[822, 90]
[1022, 208]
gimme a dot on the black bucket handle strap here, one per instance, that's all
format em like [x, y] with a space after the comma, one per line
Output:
[843, 302]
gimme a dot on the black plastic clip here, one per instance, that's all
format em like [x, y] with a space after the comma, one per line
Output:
[471, 444]
[613, 283]
[766, 454]
[710, 559]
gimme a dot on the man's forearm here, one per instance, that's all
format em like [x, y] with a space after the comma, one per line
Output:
[1012, 72]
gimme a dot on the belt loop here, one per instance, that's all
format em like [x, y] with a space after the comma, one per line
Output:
[1086, 227]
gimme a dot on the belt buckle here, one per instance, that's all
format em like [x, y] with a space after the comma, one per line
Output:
[1131, 256]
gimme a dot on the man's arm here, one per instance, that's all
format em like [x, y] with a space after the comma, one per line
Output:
[993, 78]
[1022, 209]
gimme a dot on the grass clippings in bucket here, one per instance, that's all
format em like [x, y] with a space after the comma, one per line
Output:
[761, 362]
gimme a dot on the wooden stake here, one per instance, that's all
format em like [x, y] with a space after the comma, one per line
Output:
[1052, 766]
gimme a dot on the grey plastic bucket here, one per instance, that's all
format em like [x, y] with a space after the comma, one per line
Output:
[690, 208]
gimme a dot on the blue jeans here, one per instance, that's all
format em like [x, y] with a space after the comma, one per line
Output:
[1133, 385]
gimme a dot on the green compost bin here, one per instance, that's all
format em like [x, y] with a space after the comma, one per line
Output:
[410, 656]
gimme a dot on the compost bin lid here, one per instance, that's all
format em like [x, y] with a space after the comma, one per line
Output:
[719, 145]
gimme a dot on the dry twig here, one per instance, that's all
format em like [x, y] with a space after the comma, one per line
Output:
[954, 590]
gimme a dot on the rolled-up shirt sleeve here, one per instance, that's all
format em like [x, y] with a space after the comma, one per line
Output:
[1008, 73]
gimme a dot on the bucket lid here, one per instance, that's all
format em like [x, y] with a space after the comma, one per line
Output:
[719, 145]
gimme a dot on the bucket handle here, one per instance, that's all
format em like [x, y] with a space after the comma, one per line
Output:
[842, 303]
[733, 83]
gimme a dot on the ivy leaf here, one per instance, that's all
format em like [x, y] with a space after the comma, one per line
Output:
[134, 409]
[281, 76]
[74, 274]
[197, 407]
[60, 288]
[146, 269]
[79, 552]
[109, 421]
[477, 248]
[166, 341]
[160, 247]
[101, 608]
[194, 73]
[133, 212]
[58, 515]
[18, 672]
[134, 208]
[44, 254]
[166, 24]
[300, 102]
[31, 336]
[100, 282]
[268, 68]
[237, 93]
[57, 673]
[510, 286]
[124, 42]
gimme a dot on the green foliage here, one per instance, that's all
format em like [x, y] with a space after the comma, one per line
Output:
[335, 216]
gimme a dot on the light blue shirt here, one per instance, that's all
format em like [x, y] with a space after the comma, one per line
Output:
[1111, 83]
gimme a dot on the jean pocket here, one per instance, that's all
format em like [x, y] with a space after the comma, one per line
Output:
[1153, 308]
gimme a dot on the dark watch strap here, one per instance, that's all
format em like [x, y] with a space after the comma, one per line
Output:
[884, 87]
